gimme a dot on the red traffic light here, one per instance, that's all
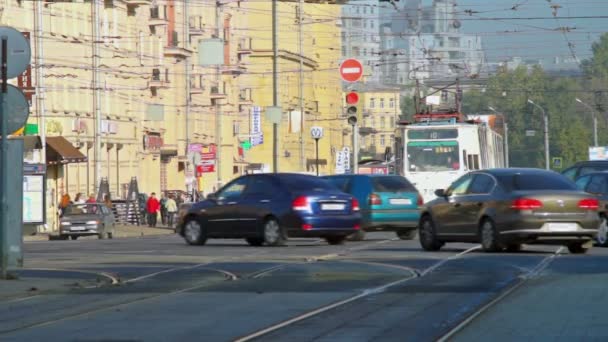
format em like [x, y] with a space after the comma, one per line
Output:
[352, 98]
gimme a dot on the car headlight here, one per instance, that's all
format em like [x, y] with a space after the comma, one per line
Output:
[66, 223]
[92, 222]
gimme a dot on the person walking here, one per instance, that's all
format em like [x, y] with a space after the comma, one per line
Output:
[152, 207]
[79, 198]
[171, 206]
[163, 209]
[65, 202]
[91, 199]
[107, 201]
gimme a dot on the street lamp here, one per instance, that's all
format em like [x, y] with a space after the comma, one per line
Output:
[506, 129]
[594, 120]
[546, 119]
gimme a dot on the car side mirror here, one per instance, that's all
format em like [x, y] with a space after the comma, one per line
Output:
[440, 193]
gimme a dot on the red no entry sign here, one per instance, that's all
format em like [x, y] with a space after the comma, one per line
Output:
[351, 70]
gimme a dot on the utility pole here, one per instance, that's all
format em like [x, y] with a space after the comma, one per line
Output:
[189, 166]
[546, 120]
[301, 89]
[595, 143]
[275, 97]
[96, 93]
[218, 107]
[40, 93]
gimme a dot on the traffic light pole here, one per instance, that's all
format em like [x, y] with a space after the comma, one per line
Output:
[317, 155]
[3, 163]
[275, 97]
[355, 148]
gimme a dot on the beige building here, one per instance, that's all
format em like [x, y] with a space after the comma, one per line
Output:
[381, 111]
[131, 98]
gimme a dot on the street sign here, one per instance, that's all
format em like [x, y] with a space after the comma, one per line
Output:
[557, 162]
[18, 51]
[246, 145]
[530, 133]
[316, 132]
[351, 70]
[16, 107]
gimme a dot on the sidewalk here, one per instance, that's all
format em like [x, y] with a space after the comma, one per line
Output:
[121, 231]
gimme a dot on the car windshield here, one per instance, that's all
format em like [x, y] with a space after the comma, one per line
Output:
[391, 184]
[303, 183]
[432, 156]
[539, 181]
[82, 209]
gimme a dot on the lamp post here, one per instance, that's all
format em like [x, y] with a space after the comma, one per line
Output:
[506, 129]
[594, 120]
[546, 119]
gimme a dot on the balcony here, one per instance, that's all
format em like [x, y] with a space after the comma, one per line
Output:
[173, 49]
[137, 2]
[195, 26]
[194, 90]
[217, 93]
[233, 70]
[155, 18]
[244, 47]
[156, 80]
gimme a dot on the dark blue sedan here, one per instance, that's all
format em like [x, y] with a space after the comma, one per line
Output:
[269, 208]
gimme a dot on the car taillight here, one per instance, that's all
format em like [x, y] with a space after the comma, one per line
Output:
[420, 200]
[301, 204]
[355, 205]
[589, 204]
[526, 204]
[357, 227]
[306, 226]
[374, 199]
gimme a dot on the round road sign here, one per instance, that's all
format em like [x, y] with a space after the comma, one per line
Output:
[17, 109]
[316, 132]
[18, 54]
[351, 70]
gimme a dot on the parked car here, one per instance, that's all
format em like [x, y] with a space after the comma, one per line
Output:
[585, 167]
[269, 208]
[596, 183]
[388, 203]
[505, 208]
[87, 219]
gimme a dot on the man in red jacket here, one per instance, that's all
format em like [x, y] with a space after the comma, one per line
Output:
[152, 207]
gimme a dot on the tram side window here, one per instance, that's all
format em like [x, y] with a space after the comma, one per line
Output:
[464, 159]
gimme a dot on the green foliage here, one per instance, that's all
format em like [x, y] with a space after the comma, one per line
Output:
[408, 108]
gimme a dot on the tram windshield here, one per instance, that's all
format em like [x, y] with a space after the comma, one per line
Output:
[432, 156]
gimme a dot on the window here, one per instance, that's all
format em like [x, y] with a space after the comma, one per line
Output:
[364, 23]
[233, 190]
[392, 123]
[381, 103]
[342, 183]
[371, 10]
[391, 103]
[482, 184]
[392, 142]
[343, 36]
[473, 161]
[598, 185]
[364, 52]
[365, 38]
[582, 182]
[432, 156]
[357, 9]
[306, 183]
[343, 51]
[536, 181]
[460, 186]
[372, 103]
[392, 184]
[382, 122]
[355, 51]
[364, 10]
[588, 169]
[261, 186]
[382, 141]
[371, 23]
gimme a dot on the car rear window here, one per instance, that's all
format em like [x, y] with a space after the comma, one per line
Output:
[391, 184]
[538, 181]
[298, 183]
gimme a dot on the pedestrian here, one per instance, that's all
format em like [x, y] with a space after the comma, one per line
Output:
[171, 210]
[163, 209]
[107, 201]
[152, 207]
[65, 202]
[91, 199]
[79, 198]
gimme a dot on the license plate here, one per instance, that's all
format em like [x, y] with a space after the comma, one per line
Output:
[402, 201]
[77, 228]
[332, 206]
[562, 227]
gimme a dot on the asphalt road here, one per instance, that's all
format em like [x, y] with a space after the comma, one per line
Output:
[381, 289]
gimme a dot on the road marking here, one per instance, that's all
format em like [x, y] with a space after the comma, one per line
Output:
[531, 274]
[175, 269]
[266, 271]
[363, 294]
[113, 279]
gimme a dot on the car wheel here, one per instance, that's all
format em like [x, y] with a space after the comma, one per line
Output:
[74, 237]
[577, 248]
[602, 233]
[255, 241]
[194, 233]
[514, 248]
[358, 236]
[335, 240]
[273, 234]
[407, 234]
[490, 241]
[428, 239]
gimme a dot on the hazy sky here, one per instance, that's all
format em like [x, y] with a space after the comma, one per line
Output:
[534, 39]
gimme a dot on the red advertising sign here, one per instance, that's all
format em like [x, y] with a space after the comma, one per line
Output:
[351, 70]
[24, 81]
[209, 152]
